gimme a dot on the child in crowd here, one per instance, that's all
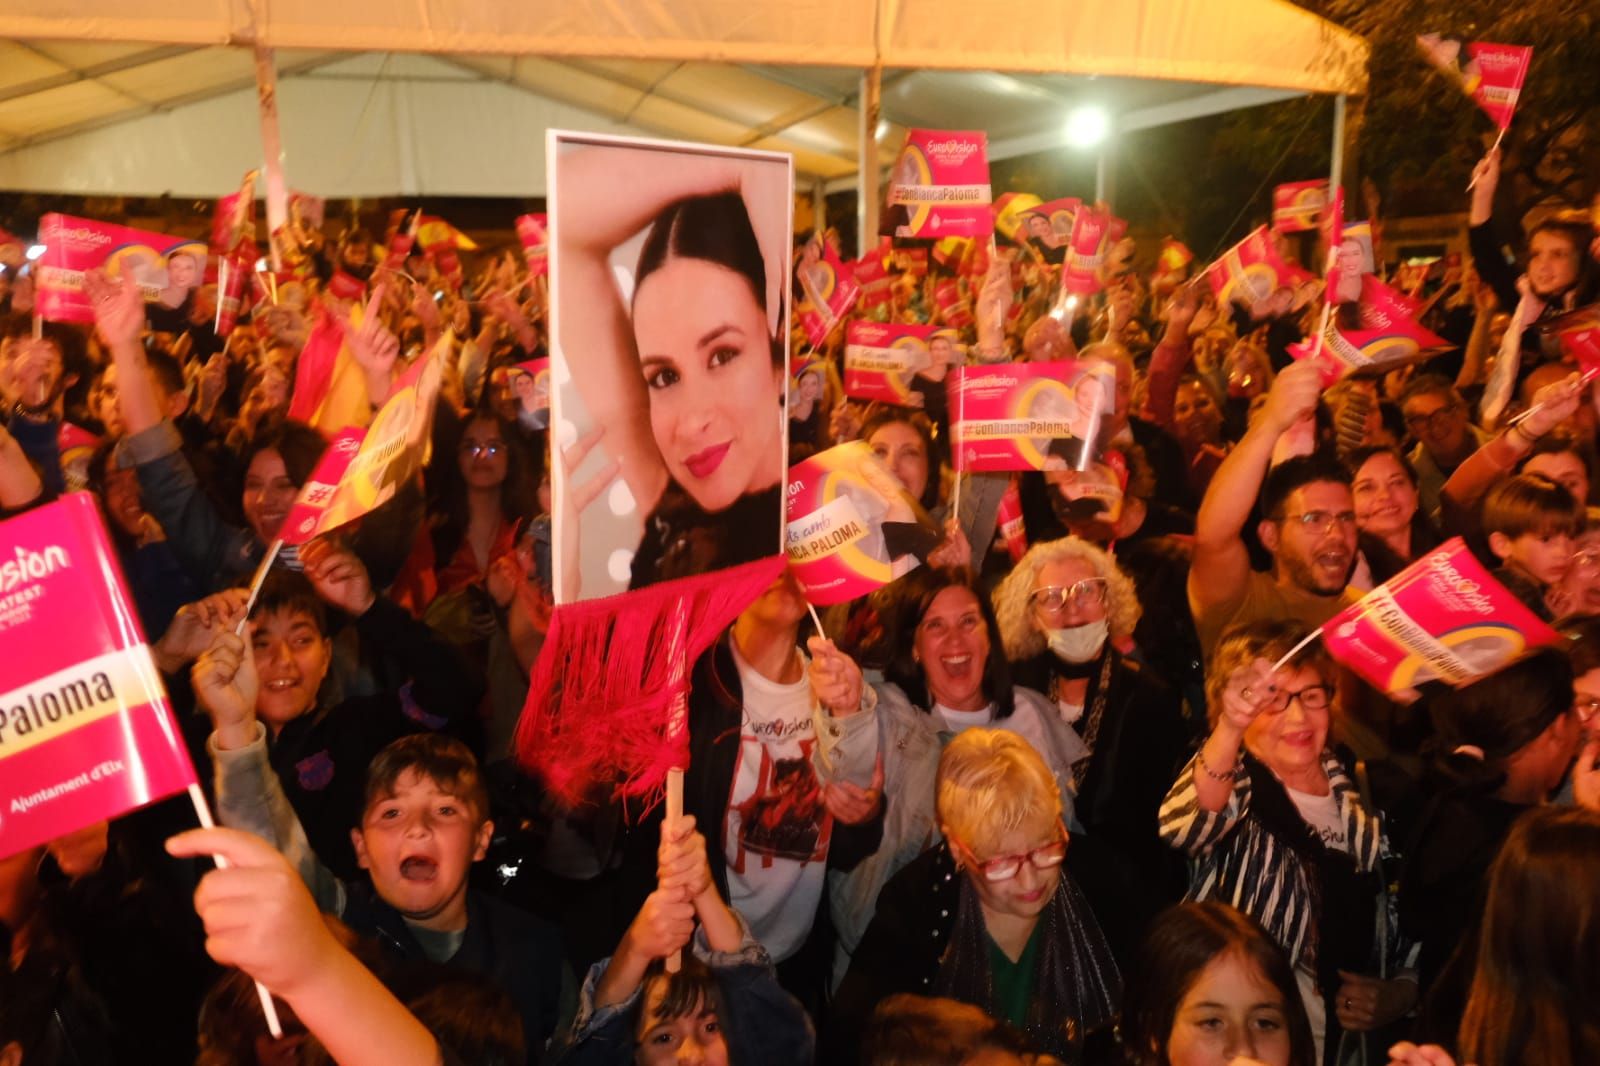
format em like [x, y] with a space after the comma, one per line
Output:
[424, 822]
[724, 1006]
[318, 751]
[1531, 523]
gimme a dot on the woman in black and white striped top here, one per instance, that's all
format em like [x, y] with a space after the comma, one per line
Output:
[1274, 826]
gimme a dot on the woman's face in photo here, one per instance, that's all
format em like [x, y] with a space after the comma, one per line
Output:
[706, 357]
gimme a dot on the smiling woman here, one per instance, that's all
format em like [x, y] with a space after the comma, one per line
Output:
[670, 283]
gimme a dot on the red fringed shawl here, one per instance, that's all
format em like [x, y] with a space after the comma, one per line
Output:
[612, 672]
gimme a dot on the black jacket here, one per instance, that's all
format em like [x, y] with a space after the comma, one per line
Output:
[1120, 861]
[716, 712]
[520, 952]
[321, 757]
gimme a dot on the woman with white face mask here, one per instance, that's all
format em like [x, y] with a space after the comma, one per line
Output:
[1060, 613]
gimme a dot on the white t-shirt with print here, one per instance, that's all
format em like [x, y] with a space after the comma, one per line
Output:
[1322, 814]
[776, 831]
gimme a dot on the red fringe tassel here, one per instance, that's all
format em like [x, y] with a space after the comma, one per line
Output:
[611, 673]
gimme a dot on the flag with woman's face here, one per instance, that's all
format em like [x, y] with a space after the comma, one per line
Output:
[669, 284]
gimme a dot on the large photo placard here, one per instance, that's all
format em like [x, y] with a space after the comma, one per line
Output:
[670, 283]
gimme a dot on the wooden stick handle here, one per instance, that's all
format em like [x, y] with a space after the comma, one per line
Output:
[674, 962]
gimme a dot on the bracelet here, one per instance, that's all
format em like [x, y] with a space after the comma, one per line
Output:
[1524, 434]
[1227, 775]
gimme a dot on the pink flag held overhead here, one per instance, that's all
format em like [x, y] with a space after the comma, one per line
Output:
[1297, 206]
[852, 527]
[1092, 235]
[1492, 74]
[1248, 272]
[363, 468]
[1023, 416]
[86, 732]
[164, 267]
[881, 359]
[831, 289]
[940, 186]
[1443, 618]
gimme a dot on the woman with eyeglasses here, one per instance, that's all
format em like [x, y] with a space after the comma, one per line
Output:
[1274, 824]
[947, 673]
[1061, 613]
[989, 916]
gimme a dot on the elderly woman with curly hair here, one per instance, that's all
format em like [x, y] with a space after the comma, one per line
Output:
[1060, 613]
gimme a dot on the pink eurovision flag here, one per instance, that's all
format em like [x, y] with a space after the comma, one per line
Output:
[1248, 272]
[1389, 335]
[1025, 416]
[1297, 205]
[86, 732]
[533, 231]
[363, 468]
[831, 289]
[940, 186]
[1050, 224]
[1092, 235]
[852, 527]
[1579, 334]
[164, 267]
[1443, 618]
[1492, 74]
[234, 217]
[880, 360]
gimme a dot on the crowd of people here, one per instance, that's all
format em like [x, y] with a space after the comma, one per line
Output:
[1058, 794]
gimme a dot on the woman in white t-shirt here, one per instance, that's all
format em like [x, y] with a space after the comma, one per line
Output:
[1274, 825]
[947, 673]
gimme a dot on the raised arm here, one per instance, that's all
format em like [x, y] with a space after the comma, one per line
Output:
[258, 918]
[1552, 405]
[1171, 356]
[1487, 259]
[604, 202]
[119, 316]
[1221, 562]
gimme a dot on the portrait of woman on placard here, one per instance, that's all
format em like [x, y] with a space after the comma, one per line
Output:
[671, 276]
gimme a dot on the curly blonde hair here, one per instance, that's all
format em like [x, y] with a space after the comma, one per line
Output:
[1013, 598]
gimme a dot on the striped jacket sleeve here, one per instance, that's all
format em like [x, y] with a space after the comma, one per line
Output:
[1185, 826]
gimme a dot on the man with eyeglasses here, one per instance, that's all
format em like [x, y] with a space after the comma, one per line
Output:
[1436, 418]
[1307, 524]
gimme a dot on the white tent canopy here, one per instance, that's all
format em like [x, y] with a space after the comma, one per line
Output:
[451, 97]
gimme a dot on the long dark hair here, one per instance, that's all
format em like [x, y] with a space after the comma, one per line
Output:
[518, 492]
[717, 229]
[1381, 559]
[915, 595]
[1180, 943]
[920, 424]
[1538, 972]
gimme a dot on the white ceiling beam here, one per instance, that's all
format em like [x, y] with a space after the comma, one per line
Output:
[74, 75]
